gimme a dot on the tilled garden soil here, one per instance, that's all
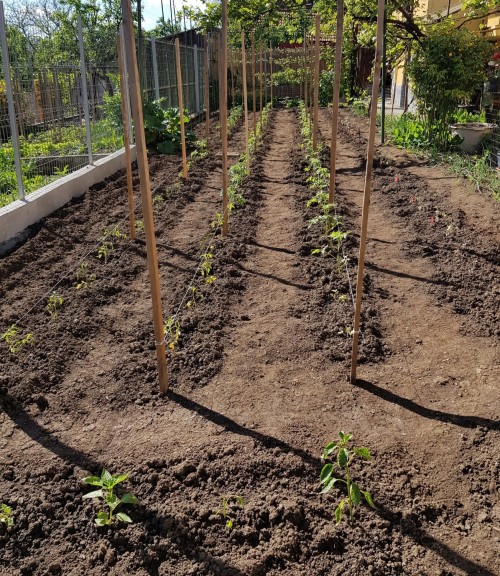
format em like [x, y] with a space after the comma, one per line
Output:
[258, 377]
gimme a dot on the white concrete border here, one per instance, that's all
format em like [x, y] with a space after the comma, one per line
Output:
[18, 215]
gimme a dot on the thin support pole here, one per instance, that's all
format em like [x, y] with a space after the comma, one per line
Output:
[254, 99]
[11, 107]
[384, 73]
[260, 83]
[305, 75]
[316, 82]
[367, 188]
[196, 79]
[337, 70]
[223, 123]
[155, 68]
[232, 79]
[181, 106]
[207, 89]
[85, 95]
[271, 71]
[147, 204]
[245, 97]
[126, 139]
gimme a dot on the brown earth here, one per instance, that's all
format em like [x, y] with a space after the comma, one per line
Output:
[258, 379]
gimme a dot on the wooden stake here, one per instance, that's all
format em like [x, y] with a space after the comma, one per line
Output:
[367, 189]
[254, 102]
[316, 83]
[271, 70]
[305, 75]
[336, 98]
[232, 78]
[207, 89]
[260, 83]
[223, 122]
[245, 97]
[126, 133]
[147, 205]
[181, 107]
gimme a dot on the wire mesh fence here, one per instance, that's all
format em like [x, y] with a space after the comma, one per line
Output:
[68, 115]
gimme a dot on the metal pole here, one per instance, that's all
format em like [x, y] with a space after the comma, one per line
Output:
[84, 89]
[10, 104]
[126, 81]
[155, 68]
[384, 73]
[196, 79]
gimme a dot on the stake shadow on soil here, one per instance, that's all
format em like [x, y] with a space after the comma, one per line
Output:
[273, 248]
[410, 276]
[75, 457]
[427, 541]
[272, 277]
[446, 417]
[232, 426]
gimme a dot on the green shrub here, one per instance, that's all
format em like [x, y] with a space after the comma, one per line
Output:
[448, 65]
[162, 127]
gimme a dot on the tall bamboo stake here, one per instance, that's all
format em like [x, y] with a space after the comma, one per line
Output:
[147, 204]
[126, 132]
[336, 98]
[232, 78]
[305, 75]
[254, 101]
[245, 97]
[207, 89]
[271, 71]
[223, 121]
[367, 189]
[316, 82]
[181, 106]
[260, 83]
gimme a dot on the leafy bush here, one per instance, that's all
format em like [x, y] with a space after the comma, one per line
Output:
[453, 60]
[162, 127]
[407, 131]
[325, 95]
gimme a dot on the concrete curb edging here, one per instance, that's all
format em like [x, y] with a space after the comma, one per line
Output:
[18, 215]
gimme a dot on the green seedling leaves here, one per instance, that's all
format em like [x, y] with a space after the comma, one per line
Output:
[338, 511]
[95, 494]
[226, 510]
[363, 452]
[326, 473]
[129, 498]
[107, 482]
[341, 458]
[368, 498]
[6, 515]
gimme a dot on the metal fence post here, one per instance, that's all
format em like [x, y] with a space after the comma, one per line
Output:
[10, 104]
[85, 95]
[196, 79]
[155, 68]
[128, 120]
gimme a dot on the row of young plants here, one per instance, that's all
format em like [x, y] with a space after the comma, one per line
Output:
[238, 173]
[338, 457]
[319, 181]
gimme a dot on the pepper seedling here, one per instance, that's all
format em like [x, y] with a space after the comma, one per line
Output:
[6, 515]
[343, 458]
[107, 483]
